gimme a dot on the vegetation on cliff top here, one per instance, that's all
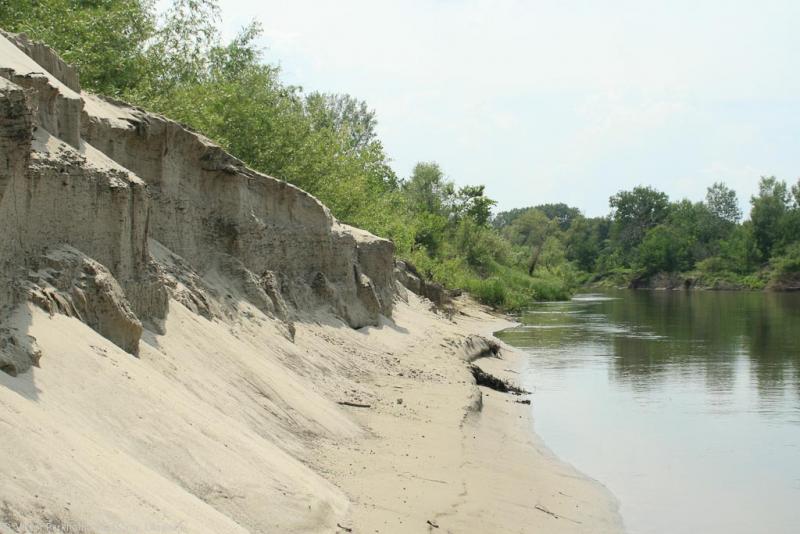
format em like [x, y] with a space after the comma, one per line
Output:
[175, 63]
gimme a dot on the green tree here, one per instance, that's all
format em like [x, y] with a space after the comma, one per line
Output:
[723, 203]
[428, 190]
[699, 228]
[532, 229]
[796, 194]
[664, 249]
[562, 214]
[346, 114]
[106, 40]
[768, 209]
[584, 242]
[635, 212]
[738, 252]
[471, 202]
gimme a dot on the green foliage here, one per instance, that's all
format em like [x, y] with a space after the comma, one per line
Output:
[704, 237]
[723, 203]
[428, 191]
[505, 218]
[583, 244]
[664, 249]
[647, 234]
[105, 39]
[789, 262]
[769, 207]
[531, 228]
[560, 213]
[635, 212]
[796, 194]
[472, 204]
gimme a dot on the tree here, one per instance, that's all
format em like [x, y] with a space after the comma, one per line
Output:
[583, 242]
[698, 227]
[768, 209]
[738, 252]
[664, 249]
[635, 212]
[473, 204]
[723, 203]
[346, 114]
[531, 229]
[179, 52]
[428, 190]
[796, 194]
[106, 40]
[562, 214]
[505, 218]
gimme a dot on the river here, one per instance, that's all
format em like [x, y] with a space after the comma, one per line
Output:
[686, 405]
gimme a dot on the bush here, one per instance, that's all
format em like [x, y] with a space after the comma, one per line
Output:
[664, 249]
[491, 291]
[789, 262]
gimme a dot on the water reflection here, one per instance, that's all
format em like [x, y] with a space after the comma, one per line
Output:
[683, 401]
[658, 336]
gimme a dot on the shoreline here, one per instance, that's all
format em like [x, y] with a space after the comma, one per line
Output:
[457, 457]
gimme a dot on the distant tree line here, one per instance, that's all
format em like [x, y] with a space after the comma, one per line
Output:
[646, 233]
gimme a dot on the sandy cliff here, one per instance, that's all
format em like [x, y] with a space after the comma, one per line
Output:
[178, 334]
[108, 214]
[152, 209]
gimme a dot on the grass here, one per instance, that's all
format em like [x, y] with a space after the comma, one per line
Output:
[500, 286]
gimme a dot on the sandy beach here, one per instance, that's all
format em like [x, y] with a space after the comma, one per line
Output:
[441, 453]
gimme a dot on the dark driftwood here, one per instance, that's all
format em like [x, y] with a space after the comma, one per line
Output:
[482, 378]
[355, 404]
[545, 510]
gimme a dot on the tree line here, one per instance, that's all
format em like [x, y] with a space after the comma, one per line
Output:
[646, 233]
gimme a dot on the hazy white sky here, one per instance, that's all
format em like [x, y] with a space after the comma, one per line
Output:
[558, 100]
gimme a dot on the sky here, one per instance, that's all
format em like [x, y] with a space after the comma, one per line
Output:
[557, 101]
